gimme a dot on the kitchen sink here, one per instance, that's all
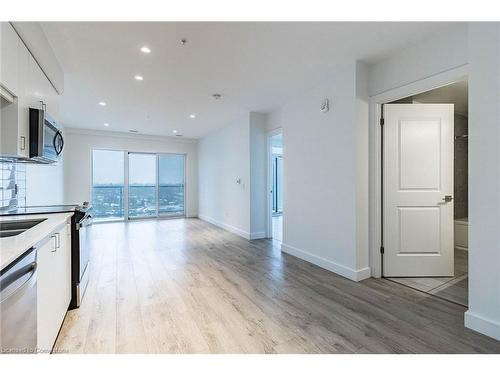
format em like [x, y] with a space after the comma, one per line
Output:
[15, 227]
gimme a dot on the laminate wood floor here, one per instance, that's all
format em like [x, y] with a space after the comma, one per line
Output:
[454, 289]
[186, 286]
[277, 223]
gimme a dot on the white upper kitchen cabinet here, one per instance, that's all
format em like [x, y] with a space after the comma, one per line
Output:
[9, 70]
[15, 115]
[43, 90]
[23, 102]
[23, 78]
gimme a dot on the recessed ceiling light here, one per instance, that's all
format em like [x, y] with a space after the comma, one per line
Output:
[106, 124]
[192, 116]
[139, 78]
[103, 104]
[133, 131]
[216, 96]
[174, 131]
[145, 49]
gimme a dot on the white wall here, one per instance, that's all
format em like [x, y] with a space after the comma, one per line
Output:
[237, 151]
[77, 160]
[258, 175]
[274, 120]
[325, 161]
[224, 157]
[484, 179]
[428, 57]
[361, 133]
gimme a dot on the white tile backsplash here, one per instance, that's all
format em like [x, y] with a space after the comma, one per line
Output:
[10, 175]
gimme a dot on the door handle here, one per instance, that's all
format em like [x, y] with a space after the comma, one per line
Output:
[447, 198]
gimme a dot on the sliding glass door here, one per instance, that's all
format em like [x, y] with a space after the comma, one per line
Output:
[133, 185]
[171, 184]
[142, 186]
[108, 184]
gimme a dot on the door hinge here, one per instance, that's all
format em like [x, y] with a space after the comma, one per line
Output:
[381, 249]
[382, 121]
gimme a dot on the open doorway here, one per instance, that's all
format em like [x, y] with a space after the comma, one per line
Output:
[425, 192]
[275, 183]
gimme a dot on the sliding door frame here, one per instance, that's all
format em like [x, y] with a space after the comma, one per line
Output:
[126, 154]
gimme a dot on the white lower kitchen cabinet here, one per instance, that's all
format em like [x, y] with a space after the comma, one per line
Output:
[54, 286]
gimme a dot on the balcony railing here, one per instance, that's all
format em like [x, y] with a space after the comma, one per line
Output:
[109, 200]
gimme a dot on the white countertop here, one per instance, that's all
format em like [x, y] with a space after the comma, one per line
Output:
[13, 247]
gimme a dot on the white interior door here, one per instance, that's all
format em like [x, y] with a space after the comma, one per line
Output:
[418, 175]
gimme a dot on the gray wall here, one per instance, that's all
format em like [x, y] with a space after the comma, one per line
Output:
[461, 190]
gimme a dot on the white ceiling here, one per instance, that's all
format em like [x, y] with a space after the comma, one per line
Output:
[255, 66]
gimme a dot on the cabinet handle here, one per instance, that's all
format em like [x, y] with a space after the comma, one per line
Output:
[23, 143]
[55, 243]
[58, 240]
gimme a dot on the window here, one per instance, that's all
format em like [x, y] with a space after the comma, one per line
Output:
[171, 184]
[108, 182]
[277, 184]
[141, 185]
[153, 186]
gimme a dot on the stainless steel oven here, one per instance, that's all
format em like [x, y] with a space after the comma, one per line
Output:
[46, 140]
[18, 301]
[80, 253]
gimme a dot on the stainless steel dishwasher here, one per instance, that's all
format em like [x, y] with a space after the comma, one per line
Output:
[18, 326]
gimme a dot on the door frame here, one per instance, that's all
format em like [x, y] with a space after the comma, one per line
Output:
[454, 75]
[269, 183]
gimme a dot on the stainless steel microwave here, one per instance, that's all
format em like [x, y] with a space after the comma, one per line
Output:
[46, 140]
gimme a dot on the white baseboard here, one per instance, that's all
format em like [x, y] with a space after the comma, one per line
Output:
[482, 325]
[225, 226]
[352, 274]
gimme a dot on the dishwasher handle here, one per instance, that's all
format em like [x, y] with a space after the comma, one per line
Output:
[13, 277]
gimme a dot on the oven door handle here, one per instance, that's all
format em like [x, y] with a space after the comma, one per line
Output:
[84, 219]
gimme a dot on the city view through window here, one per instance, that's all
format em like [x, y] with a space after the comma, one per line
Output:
[155, 184]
